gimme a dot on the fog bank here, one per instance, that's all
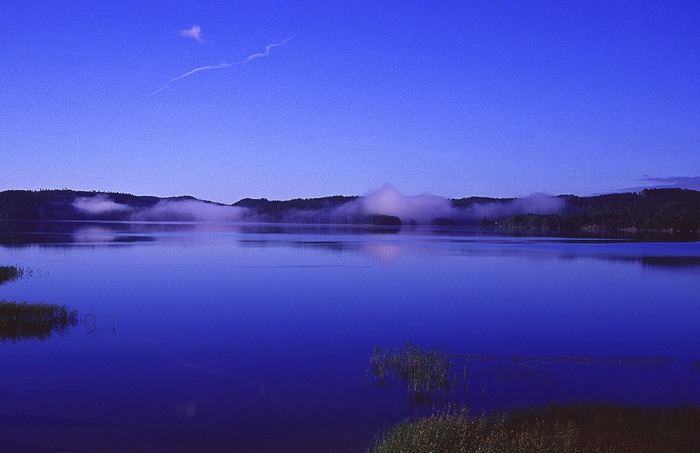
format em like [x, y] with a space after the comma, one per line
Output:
[165, 210]
[386, 201]
[426, 208]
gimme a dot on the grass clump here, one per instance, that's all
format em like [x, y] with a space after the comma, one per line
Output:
[456, 431]
[9, 273]
[556, 428]
[422, 371]
[26, 321]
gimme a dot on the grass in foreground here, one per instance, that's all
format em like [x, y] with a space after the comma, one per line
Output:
[556, 428]
[26, 321]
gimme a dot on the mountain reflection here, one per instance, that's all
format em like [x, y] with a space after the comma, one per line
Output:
[679, 262]
[383, 244]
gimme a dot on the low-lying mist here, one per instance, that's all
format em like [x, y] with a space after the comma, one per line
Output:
[165, 210]
[385, 202]
[426, 209]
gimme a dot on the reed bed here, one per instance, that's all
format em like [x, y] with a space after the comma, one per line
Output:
[26, 321]
[9, 273]
[421, 370]
[555, 428]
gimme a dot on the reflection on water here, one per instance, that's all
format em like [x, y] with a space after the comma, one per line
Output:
[671, 262]
[351, 238]
[76, 232]
[260, 338]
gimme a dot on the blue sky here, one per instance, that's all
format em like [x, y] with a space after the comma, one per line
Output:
[451, 98]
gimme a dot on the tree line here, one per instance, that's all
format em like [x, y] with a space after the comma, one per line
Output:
[648, 210]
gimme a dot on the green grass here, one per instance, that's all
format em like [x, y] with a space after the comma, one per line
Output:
[555, 428]
[9, 273]
[26, 321]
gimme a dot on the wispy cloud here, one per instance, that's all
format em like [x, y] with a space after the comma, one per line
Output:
[189, 73]
[194, 32]
[266, 52]
[685, 182]
[223, 65]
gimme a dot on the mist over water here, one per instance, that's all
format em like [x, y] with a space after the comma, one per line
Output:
[387, 201]
[426, 208]
[99, 204]
[537, 203]
[189, 210]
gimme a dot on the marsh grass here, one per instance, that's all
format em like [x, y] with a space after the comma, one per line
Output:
[555, 428]
[589, 427]
[435, 376]
[424, 371]
[9, 273]
[21, 321]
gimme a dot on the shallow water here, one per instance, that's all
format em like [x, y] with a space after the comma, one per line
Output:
[211, 337]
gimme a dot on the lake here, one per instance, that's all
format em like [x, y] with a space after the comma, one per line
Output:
[217, 337]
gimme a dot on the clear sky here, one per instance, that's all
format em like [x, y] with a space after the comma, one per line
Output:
[452, 98]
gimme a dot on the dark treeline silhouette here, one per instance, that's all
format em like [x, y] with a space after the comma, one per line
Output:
[262, 209]
[60, 204]
[263, 205]
[311, 210]
[648, 210]
[468, 202]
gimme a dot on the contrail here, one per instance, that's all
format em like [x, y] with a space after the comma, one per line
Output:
[195, 70]
[223, 65]
[266, 52]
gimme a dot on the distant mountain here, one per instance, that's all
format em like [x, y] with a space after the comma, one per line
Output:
[648, 210]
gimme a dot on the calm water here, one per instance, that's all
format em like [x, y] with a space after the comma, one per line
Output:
[219, 338]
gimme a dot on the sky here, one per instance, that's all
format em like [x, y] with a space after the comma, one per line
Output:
[230, 99]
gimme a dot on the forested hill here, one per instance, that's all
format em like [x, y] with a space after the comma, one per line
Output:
[61, 204]
[91, 205]
[648, 210]
[281, 211]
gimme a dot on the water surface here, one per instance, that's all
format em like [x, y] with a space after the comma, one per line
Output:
[214, 337]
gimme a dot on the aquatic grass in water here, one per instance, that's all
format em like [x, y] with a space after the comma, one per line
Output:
[577, 427]
[9, 273]
[433, 375]
[424, 372]
[28, 321]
